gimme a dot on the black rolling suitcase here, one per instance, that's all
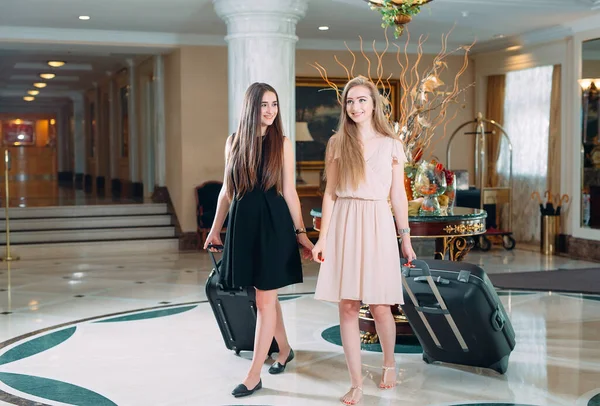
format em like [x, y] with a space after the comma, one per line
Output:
[235, 311]
[456, 314]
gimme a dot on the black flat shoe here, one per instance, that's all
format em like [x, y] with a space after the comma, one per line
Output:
[277, 368]
[241, 390]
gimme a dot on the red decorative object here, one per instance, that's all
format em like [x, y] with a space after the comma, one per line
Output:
[18, 132]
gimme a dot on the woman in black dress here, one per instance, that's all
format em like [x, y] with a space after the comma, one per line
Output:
[265, 223]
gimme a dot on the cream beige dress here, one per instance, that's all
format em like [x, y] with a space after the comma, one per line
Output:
[362, 258]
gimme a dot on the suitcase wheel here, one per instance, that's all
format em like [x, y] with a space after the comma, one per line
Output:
[237, 352]
[427, 359]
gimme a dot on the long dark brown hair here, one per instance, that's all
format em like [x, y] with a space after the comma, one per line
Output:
[247, 147]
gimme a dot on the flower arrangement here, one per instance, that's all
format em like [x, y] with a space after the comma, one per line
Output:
[397, 13]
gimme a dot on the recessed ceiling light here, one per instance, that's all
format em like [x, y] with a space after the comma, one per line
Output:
[499, 36]
[56, 64]
[465, 13]
[40, 85]
[323, 28]
[33, 92]
[84, 17]
[514, 48]
[47, 75]
[29, 98]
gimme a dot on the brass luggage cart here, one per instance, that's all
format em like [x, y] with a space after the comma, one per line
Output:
[497, 195]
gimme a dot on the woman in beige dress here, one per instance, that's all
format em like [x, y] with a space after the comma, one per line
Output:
[357, 246]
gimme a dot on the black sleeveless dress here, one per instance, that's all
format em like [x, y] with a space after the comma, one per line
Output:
[261, 249]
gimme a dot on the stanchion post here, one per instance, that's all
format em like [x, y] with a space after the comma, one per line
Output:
[7, 257]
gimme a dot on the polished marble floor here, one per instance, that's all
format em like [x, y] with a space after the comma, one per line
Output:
[137, 331]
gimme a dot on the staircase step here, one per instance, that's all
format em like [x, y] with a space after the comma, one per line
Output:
[104, 234]
[85, 211]
[94, 249]
[72, 223]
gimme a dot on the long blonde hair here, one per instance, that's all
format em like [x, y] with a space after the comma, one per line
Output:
[248, 147]
[345, 145]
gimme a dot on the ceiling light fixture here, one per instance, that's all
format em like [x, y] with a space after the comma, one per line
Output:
[323, 28]
[33, 92]
[85, 18]
[47, 75]
[499, 36]
[29, 98]
[40, 85]
[56, 64]
[514, 48]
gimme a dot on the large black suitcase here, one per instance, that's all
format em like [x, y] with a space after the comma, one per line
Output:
[456, 314]
[235, 311]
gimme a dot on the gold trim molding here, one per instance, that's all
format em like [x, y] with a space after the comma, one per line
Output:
[465, 228]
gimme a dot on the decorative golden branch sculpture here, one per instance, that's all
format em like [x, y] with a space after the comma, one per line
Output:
[424, 98]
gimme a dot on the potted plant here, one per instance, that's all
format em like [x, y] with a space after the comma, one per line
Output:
[397, 13]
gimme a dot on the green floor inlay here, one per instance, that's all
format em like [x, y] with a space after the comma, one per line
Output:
[149, 315]
[404, 345]
[37, 345]
[594, 401]
[582, 296]
[282, 298]
[492, 404]
[513, 293]
[54, 390]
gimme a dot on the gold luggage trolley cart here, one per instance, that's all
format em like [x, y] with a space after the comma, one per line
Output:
[498, 195]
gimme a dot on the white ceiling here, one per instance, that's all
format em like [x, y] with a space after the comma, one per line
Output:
[34, 31]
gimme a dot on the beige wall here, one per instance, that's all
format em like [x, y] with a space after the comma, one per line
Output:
[173, 116]
[196, 124]
[196, 114]
[590, 69]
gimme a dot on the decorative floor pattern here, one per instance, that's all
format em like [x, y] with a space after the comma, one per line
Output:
[109, 340]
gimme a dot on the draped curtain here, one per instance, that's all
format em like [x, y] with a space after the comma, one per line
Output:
[527, 115]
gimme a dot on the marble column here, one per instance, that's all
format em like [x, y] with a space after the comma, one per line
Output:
[98, 133]
[159, 121]
[134, 156]
[261, 39]
[113, 149]
[79, 138]
[62, 141]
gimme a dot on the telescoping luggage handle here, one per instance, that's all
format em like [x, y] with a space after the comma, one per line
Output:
[223, 290]
[219, 248]
[421, 310]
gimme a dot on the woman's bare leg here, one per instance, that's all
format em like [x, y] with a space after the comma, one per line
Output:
[351, 342]
[265, 329]
[386, 330]
[281, 336]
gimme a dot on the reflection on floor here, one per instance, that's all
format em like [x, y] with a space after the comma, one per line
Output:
[138, 331]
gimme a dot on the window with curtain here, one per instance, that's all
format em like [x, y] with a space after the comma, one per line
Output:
[527, 121]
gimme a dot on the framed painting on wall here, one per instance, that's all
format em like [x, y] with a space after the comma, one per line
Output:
[18, 132]
[317, 115]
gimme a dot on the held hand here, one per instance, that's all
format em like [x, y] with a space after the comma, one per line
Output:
[318, 252]
[306, 244]
[214, 239]
[407, 250]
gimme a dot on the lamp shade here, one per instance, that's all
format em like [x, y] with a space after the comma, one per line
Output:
[302, 133]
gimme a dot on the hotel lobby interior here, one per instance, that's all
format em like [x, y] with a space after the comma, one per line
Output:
[114, 117]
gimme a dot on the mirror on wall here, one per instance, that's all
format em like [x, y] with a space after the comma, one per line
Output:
[590, 133]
